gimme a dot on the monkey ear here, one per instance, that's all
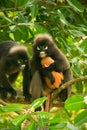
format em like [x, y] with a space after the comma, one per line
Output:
[9, 55]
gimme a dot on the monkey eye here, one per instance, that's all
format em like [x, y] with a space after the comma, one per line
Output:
[46, 47]
[20, 62]
[25, 61]
[38, 48]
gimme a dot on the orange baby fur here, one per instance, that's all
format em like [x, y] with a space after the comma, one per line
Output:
[58, 76]
[58, 80]
[46, 62]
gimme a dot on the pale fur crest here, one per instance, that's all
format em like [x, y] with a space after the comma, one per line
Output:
[43, 36]
[17, 48]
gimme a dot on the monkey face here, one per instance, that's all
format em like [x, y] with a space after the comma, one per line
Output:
[42, 48]
[15, 63]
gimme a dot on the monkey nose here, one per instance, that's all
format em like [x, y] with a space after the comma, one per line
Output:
[42, 54]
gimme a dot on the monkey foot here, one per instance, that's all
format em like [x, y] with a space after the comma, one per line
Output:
[27, 97]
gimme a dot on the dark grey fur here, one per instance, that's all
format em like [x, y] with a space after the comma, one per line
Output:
[61, 64]
[13, 59]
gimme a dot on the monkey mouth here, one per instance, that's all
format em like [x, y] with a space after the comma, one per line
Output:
[42, 54]
[22, 67]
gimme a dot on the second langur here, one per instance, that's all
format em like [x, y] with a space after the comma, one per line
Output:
[13, 59]
[44, 46]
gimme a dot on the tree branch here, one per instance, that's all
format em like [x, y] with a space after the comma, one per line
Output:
[3, 102]
[67, 84]
[12, 9]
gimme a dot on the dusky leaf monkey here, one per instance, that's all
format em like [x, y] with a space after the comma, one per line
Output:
[44, 46]
[13, 59]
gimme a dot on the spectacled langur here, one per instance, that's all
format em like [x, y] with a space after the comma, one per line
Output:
[43, 47]
[13, 59]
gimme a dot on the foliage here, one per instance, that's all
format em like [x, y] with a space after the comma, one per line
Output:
[66, 21]
[63, 118]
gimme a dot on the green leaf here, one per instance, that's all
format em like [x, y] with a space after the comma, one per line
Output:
[75, 103]
[79, 87]
[71, 126]
[31, 126]
[39, 29]
[58, 126]
[34, 11]
[21, 2]
[19, 119]
[13, 107]
[4, 35]
[55, 120]
[62, 18]
[8, 20]
[43, 116]
[38, 102]
[83, 45]
[20, 33]
[31, 2]
[76, 33]
[81, 118]
[76, 5]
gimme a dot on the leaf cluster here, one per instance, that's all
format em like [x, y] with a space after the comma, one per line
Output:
[72, 117]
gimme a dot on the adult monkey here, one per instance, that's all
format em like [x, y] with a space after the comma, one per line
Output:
[44, 47]
[13, 59]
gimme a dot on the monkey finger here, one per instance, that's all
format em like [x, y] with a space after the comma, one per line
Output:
[52, 80]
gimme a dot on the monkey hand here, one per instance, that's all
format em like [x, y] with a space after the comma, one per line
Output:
[13, 94]
[27, 96]
[44, 71]
[49, 75]
[52, 79]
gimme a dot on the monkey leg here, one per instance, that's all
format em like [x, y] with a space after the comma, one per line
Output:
[26, 83]
[3, 92]
[47, 103]
[64, 94]
[36, 86]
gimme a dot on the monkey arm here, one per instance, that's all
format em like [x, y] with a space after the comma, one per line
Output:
[36, 83]
[26, 83]
[47, 73]
[13, 77]
[58, 66]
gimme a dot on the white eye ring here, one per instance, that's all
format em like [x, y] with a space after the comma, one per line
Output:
[46, 47]
[38, 48]
[18, 61]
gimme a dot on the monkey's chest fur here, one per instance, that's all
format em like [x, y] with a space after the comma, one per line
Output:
[40, 66]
